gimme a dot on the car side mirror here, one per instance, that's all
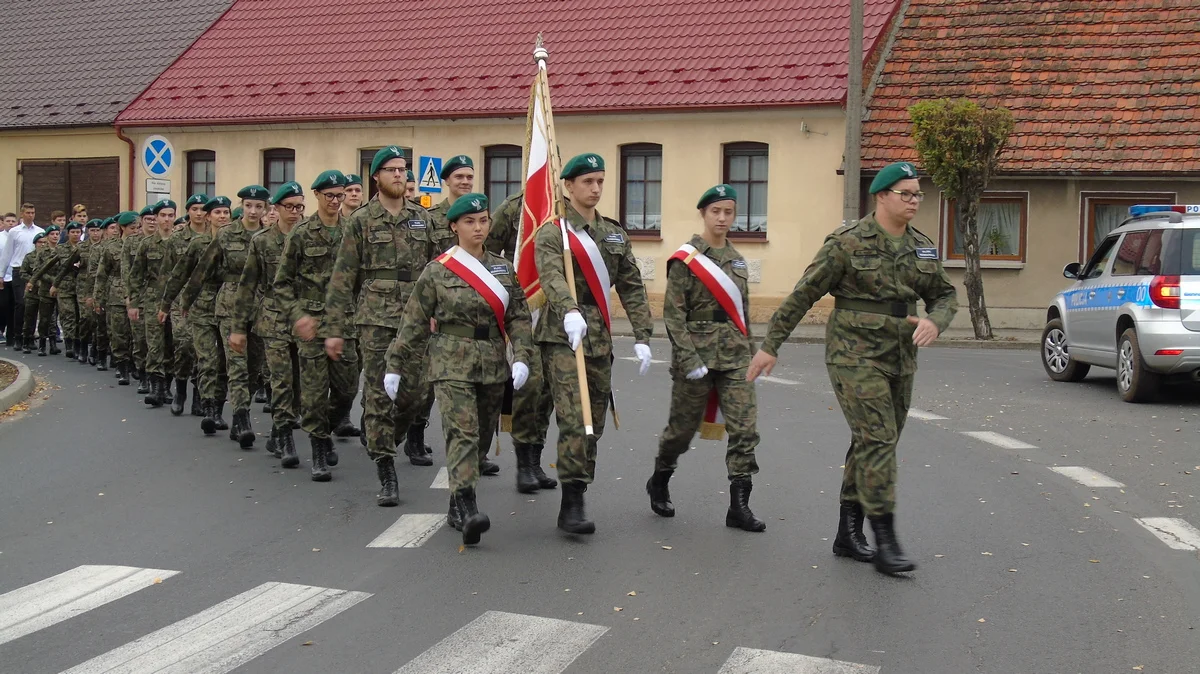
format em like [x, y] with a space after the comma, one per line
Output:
[1071, 271]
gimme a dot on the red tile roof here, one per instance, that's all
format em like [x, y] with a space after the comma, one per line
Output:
[288, 60]
[1095, 86]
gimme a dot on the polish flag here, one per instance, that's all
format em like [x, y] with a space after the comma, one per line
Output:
[538, 205]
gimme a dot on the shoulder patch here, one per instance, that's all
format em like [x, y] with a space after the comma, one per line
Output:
[738, 264]
[498, 269]
[927, 253]
[416, 224]
[614, 238]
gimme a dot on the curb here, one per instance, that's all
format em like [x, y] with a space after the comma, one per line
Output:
[994, 344]
[20, 389]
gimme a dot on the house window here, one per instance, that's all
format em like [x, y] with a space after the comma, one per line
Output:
[1104, 212]
[279, 167]
[641, 188]
[201, 172]
[1129, 253]
[1001, 223]
[502, 172]
[364, 169]
[746, 167]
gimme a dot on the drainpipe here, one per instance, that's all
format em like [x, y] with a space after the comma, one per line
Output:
[132, 163]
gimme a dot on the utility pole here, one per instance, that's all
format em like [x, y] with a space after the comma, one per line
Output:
[854, 115]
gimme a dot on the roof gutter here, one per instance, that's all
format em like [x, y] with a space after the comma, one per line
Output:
[132, 160]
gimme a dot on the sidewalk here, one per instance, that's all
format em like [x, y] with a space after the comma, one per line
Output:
[963, 338]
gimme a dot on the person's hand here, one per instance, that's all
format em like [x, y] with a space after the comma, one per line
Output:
[520, 374]
[99, 308]
[306, 328]
[576, 328]
[54, 291]
[88, 302]
[333, 347]
[643, 354]
[761, 364]
[133, 313]
[237, 342]
[391, 384]
[698, 373]
[926, 331]
[162, 317]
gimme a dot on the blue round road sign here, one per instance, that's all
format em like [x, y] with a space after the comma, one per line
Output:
[157, 156]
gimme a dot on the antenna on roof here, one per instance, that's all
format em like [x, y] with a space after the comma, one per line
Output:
[540, 55]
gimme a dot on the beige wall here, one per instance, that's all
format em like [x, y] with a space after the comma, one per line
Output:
[56, 144]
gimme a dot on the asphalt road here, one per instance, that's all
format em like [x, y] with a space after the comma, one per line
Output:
[237, 563]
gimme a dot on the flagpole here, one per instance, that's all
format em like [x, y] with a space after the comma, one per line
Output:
[540, 55]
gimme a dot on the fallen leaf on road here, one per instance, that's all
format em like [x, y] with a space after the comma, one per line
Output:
[981, 620]
[667, 547]
[1094, 561]
[461, 548]
[307, 643]
[939, 556]
[1139, 668]
[987, 554]
[632, 594]
[1012, 570]
[316, 549]
[618, 608]
[158, 581]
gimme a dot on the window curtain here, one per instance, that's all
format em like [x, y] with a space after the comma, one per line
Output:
[999, 229]
[1108, 217]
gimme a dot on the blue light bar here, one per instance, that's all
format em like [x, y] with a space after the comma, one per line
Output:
[1135, 211]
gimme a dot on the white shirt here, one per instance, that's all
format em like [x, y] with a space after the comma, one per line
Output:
[7, 271]
[18, 245]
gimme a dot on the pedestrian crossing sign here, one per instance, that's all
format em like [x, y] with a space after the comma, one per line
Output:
[429, 179]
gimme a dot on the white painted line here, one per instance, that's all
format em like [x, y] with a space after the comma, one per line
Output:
[228, 635]
[779, 380]
[755, 661]
[922, 415]
[410, 531]
[502, 643]
[1176, 533]
[55, 599]
[441, 480]
[1087, 476]
[999, 440]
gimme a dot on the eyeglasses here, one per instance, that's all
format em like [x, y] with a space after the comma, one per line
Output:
[328, 196]
[396, 171]
[907, 196]
[294, 208]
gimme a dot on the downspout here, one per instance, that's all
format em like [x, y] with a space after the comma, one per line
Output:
[132, 161]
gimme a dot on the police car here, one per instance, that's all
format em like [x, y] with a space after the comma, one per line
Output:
[1133, 307]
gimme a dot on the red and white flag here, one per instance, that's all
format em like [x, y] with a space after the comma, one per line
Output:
[538, 205]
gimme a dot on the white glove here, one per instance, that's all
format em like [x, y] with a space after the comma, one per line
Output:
[576, 328]
[643, 354]
[520, 374]
[391, 384]
[698, 373]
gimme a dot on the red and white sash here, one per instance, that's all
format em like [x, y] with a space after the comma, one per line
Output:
[595, 273]
[468, 268]
[730, 298]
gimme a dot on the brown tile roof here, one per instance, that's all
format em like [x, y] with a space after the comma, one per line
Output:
[1096, 86]
[80, 62]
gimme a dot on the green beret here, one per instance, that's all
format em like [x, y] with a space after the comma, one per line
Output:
[456, 162]
[200, 199]
[328, 179]
[39, 236]
[411, 178]
[180, 220]
[127, 218]
[94, 223]
[466, 205]
[254, 192]
[148, 210]
[891, 174]
[582, 165]
[215, 203]
[715, 194]
[73, 225]
[53, 228]
[353, 179]
[165, 203]
[108, 221]
[383, 156]
[236, 213]
[287, 190]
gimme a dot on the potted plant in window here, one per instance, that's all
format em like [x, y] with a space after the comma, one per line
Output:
[996, 242]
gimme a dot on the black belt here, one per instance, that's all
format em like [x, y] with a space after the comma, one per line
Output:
[390, 275]
[470, 331]
[714, 316]
[895, 309]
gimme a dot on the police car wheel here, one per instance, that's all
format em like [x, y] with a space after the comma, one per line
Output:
[1135, 383]
[1056, 357]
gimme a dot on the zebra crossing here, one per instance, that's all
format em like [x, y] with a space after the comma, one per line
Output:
[248, 625]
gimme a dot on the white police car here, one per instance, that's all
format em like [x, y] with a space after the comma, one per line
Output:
[1134, 306]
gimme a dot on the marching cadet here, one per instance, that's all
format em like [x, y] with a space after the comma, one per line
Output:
[354, 194]
[476, 301]
[410, 187]
[111, 286]
[41, 279]
[385, 246]
[224, 258]
[344, 428]
[94, 331]
[35, 294]
[532, 405]
[602, 258]
[706, 310]
[257, 303]
[876, 269]
[193, 223]
[129, 246]
[327, 385]
[62, 285]
[149, 276]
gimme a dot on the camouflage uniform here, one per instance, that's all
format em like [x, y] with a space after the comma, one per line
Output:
[380, 258]
[110, 287]
[702, 335]
[63, 282]
[876, 280]
[35, 317]
[129, 246]
[89, 290]
[148, 276]
[184, 353]
[200, 307]
[83, 289]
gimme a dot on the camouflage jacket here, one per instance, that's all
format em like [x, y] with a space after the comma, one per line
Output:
[442, 295]
[33, 262]
[202, 305]
[862, 262]
[225, 258]
[622, 271]
[255, 303]
[110, 286]
[129, 246]
[149, 272]
[502, 238]
[70, 277]
[87, 272]
[49, 265]
[180, 238]
[697, 341]
[381, 257]
[440, 234]
[302, 278]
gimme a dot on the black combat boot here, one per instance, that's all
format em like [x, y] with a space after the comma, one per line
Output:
[123, 373]
[70, 344]
[320, 469]
[152, 396]
[332, 457]
[889, 558]
[739, 514]
[143, 382]
[389, 490]
[486, 466]
[135, 372]
[92, 355]
[54, 350]
[850, 540]
[261, 396]
[660, 494]
[180, 397]
[41, 346]
[345, 428]
[167, 392]
[267, 408]
[474, 523]
[571, 517]
[453, 515]
[209, 423]
[197, 404]
[526, 481]
[220, 413]
[27, 346]
[272, 445]
[535, 460]
[101, 360]
[85, 352]
[414, 447]
[287, 448]
[245, 433]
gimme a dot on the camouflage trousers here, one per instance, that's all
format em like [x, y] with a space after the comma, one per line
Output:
[327, 387]
[383, 420]
[240, 365]
[68, 316]
[470, 413]
[46, 323]
[576, 451]
[532, 405]
[260, 377]
[119, 333]
[876, 406]
[87, 322]
[738, 406]
[283, 368]
[99, 334]
[210, 359]
[138, 341]
[157, 344]
[183, 355]
[38, 314]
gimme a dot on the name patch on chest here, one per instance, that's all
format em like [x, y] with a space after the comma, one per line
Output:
[738, 264]
[927, 253]
[498, 270]
[416, 224]
[614, 238]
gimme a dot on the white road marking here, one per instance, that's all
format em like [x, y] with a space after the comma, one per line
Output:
[755, 661]
[502, 643]
[1087, 476]
[779, 380]
[57, 598]
[441, 480]
[999, 440]
[922, 415]
[228, 635]
[1176, 533]
[410, 531]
